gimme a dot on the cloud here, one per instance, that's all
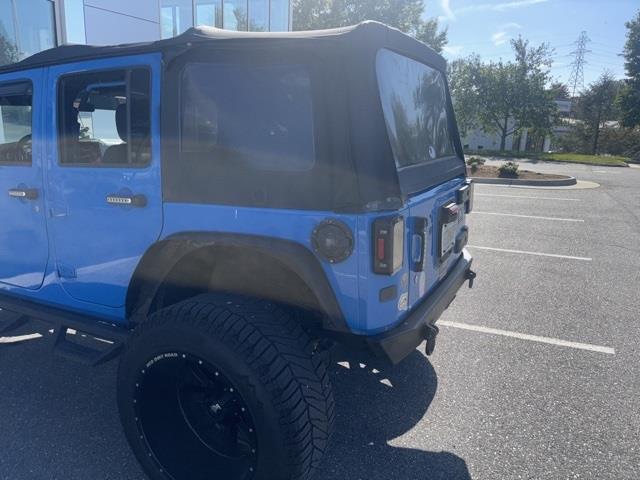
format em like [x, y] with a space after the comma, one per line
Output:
[453, 50]
[489, 7]
[510, 26]
[502, 35]
[499, 38]
[445, 5]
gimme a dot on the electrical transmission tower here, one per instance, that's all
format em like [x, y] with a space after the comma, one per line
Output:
[576, 79]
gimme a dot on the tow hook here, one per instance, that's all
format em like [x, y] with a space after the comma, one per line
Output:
[431, 331]
[471, 276]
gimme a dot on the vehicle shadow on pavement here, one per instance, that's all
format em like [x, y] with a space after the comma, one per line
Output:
[375, 406]
[59, 421]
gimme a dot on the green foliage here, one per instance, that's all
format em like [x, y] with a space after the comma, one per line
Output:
[405, 15]
[9, 52]
[508, 169]
[596, 106]
[505, 98]
[475, 162]
[560, 91]
[629, 98]
[588, 159]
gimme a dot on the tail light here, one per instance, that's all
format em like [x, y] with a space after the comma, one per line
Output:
[388, 245]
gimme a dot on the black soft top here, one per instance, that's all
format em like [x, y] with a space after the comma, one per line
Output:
[354, 169]
[369, 33]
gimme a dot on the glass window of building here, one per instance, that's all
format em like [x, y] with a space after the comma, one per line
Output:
[254, 15]
[35, 26]
[259, 15]
[8, 41]
[176, 17]
[279, 15]
[235, 15]
[209, 13]
[74, 21]
[26, 27]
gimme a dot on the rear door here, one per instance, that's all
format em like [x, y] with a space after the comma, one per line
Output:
[104, 179]
[420, 125]
[24, 246]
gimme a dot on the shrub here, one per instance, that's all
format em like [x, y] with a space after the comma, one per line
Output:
[508, 169]
[475, 162]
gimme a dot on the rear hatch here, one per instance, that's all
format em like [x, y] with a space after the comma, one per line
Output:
[419, 119]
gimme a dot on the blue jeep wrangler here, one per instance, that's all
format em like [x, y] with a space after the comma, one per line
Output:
[216, 209]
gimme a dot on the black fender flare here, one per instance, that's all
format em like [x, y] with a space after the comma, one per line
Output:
[159, 260]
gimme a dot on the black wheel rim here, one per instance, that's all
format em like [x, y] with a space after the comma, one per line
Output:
[192, 420]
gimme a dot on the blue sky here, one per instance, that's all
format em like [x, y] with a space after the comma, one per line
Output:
[486, 26]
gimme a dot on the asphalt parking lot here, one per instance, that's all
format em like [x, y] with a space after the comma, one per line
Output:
[536, 373]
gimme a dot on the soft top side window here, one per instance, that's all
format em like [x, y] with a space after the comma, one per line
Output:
[15, 123]
[254, 117]
[104, 118]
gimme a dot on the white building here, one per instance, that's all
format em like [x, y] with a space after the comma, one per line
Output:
[29, 26]
[478, 139]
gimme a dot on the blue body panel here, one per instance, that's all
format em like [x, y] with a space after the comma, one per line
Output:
[427, 205]
[97, 246]
[73, 250]
[23, 232]
[376, 316]
[293, 225]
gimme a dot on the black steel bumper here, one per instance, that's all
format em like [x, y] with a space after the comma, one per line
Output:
[394, 345]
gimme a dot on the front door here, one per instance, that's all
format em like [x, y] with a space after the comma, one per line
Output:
[104, 180]
[24, 248]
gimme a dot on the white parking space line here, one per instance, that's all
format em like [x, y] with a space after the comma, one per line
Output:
[531, 338]
[528, 197]
[557, 219]
[524, 252]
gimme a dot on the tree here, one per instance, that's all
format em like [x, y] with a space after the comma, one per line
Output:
[629, 99]
[596, 106]
[505, 98]
[406, 15]
[560, 91]
[8, 51]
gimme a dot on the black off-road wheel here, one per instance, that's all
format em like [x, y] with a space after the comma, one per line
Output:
[222, 387]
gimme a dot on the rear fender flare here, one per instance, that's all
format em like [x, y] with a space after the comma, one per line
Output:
[160, 259]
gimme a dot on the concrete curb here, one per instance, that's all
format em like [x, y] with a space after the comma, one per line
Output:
[543, 160]
[584, 163]
[554, 182]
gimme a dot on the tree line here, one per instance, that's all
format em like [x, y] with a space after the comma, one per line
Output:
[508, 97]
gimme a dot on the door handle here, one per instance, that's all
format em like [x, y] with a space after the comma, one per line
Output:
[24, 193]
[127, 200]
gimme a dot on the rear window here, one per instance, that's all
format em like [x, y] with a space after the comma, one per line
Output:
[414, 102]
[248, 116]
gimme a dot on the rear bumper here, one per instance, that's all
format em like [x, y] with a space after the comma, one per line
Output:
[395, 344]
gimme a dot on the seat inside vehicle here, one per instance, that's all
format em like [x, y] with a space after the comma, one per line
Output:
[105, 119]
[140, 134]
